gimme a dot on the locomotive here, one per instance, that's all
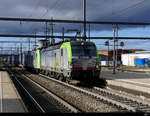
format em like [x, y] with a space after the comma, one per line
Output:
[67, 61]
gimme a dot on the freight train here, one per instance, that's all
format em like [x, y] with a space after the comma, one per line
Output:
[67, 61]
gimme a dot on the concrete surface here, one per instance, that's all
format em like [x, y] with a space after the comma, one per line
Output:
[130, 80]
[10, 100]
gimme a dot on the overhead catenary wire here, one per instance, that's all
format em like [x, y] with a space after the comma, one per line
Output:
[38, 3]
[36, 6]
[33, 25]
[47, 10]
[62, 4]
[124, 10]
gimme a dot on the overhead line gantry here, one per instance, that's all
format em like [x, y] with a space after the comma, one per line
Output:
[67, 37]
[70, 21]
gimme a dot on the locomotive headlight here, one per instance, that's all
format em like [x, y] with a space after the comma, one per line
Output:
[97, 66]
[82, 43]
[70, 64]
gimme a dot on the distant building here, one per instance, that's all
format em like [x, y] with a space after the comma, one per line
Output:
[103, 55]
[106, 56]
[139, 58]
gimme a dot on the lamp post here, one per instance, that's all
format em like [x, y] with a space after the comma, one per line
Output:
[89, 31]
[52, 32]
[116, 27]
[1, 51]
[29, 45]
[63, 33]
[84, 16]
[35, 37]
[114, 58]
[122, 44]
[107, 44]
[21, 52]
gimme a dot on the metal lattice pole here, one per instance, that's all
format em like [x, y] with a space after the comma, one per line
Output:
[84, 16]
[114, 58]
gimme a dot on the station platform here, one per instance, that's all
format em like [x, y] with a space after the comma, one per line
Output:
[139, 82]
[10, 100]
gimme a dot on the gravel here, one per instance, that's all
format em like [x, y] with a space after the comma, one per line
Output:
[84, 102]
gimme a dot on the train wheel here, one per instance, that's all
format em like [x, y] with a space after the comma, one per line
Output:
[52, 74]
[46, 73]
[61, 77]
[57, 76]
[68, 79]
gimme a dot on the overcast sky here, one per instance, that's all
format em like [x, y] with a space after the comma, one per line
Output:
[97, 10]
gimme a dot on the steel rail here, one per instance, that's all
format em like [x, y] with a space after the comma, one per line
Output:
[39, 107]
[118, 104]
[147, 105]
[60, 100]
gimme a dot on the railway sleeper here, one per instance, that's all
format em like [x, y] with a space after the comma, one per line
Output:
[144, 107]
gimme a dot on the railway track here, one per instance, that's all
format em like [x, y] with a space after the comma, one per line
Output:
[34, 101]
[39, 107]
[72, 95]
[123, 103]
[134, 103]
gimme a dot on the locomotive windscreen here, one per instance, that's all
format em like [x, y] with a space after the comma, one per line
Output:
[83, 50]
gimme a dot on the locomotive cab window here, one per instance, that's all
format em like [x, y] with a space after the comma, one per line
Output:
[84, 50]
[61, 52]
